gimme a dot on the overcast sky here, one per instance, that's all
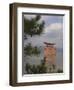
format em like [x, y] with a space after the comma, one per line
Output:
[53, 31]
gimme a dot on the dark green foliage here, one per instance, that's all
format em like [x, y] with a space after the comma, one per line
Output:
[30, 50]
[53, 66]
[37, 17]
[59, 71]
[33, 26]
[50, 70]
[27, 67]
[38, 69]
[34, 69]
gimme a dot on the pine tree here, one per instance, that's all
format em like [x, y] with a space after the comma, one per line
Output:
[33, 26]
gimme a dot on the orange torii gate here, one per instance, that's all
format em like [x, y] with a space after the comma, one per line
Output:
[49, 53]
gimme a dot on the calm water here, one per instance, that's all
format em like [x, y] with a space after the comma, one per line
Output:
[39, 42]
[37, 59]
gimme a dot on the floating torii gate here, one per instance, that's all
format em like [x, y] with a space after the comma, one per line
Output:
[49, 54]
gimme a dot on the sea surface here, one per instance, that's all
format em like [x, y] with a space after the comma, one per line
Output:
[37, 59]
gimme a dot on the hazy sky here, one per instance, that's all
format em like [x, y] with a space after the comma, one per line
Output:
[53, 31]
